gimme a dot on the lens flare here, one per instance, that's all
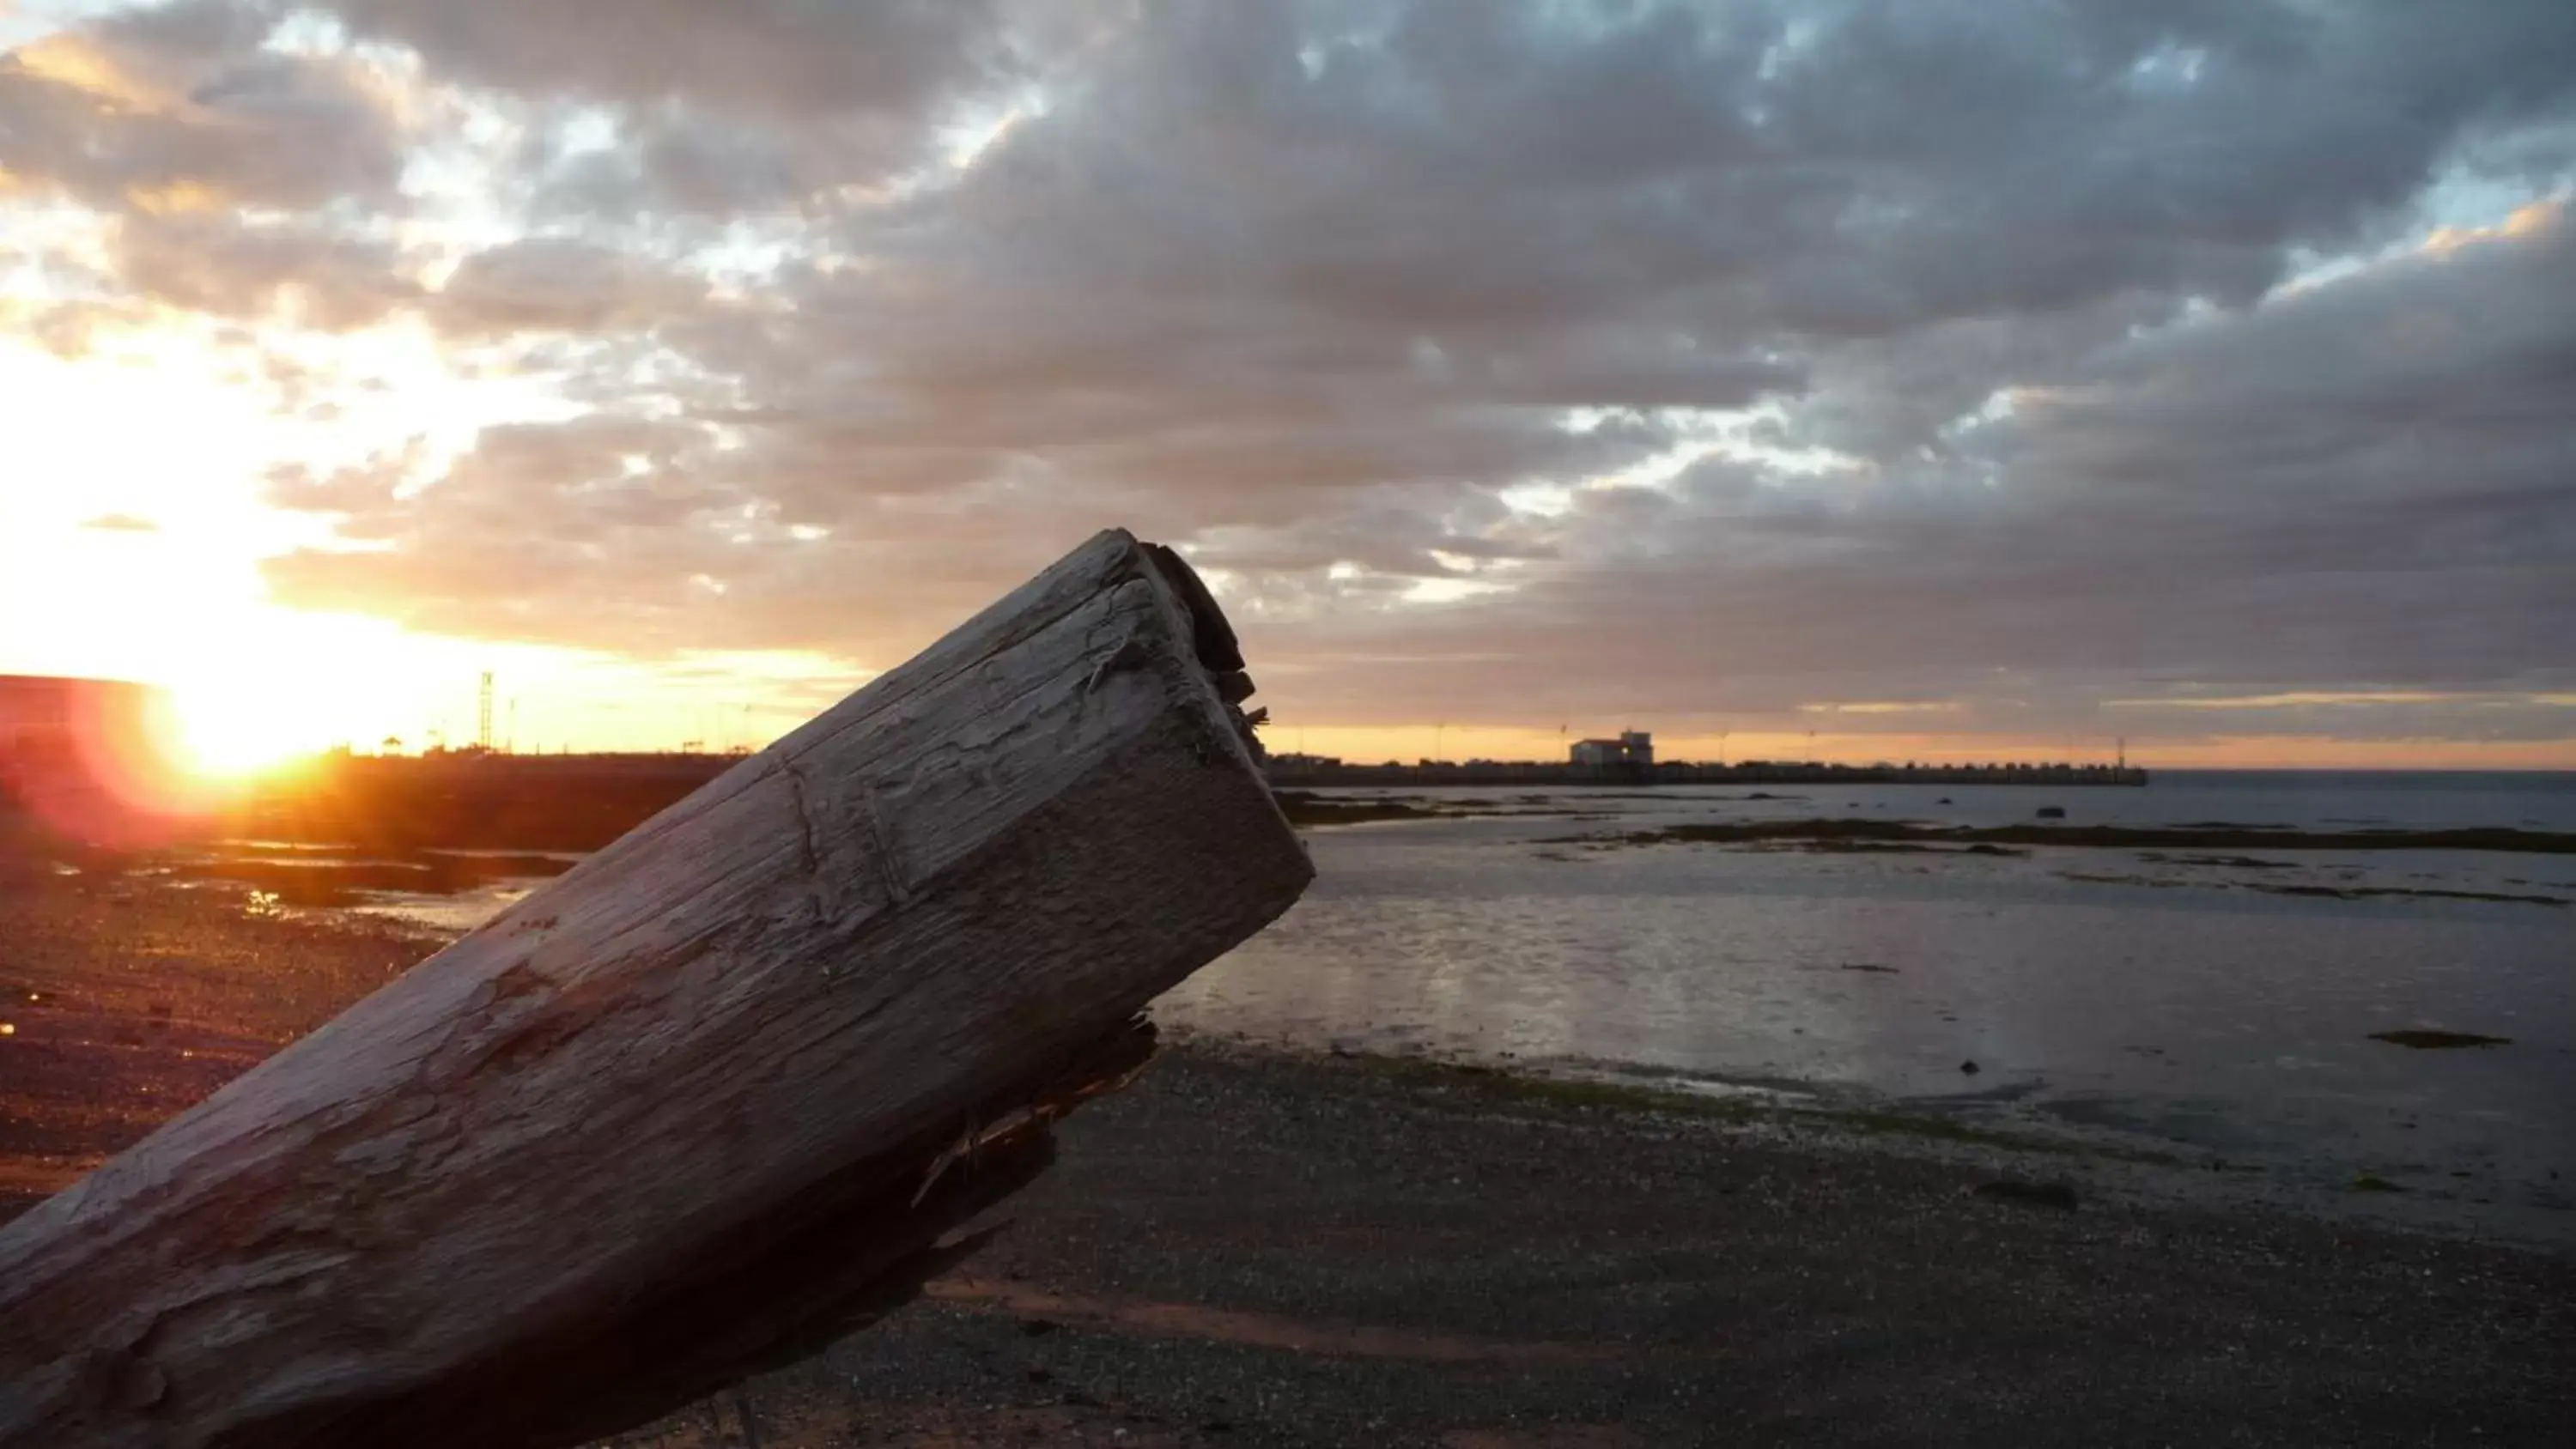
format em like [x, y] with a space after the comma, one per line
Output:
[99, 760]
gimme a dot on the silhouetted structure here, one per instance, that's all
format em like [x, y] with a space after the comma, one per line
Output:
[1629, 757]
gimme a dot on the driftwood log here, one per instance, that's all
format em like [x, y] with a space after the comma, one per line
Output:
[713, 1097]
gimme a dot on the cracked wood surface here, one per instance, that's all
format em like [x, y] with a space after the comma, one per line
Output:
[713, 1092]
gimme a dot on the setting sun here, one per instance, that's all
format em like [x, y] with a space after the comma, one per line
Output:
[226, 735]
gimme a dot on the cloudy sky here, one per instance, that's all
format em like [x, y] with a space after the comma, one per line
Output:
[1928, 378]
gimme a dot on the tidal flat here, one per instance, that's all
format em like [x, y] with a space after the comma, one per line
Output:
[1256, 1245]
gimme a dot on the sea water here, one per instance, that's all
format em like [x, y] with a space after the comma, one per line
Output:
[2211, 1005]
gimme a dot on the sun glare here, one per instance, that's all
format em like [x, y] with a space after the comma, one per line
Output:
[230, 735]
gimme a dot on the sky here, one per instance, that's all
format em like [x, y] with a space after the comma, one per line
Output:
[1853, 379]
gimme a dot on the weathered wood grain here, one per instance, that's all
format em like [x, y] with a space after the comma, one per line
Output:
[711, 1094]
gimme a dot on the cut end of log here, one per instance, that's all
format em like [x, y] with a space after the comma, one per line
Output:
[727, 1089]
[1212, 641]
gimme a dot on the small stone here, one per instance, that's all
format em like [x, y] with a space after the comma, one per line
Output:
[2037, 1194]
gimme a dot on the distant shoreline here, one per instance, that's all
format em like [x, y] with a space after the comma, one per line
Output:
[1290, 771]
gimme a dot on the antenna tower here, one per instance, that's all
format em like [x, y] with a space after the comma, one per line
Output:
[483, 713]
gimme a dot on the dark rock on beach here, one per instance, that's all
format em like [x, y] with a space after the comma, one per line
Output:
[2426, 1039]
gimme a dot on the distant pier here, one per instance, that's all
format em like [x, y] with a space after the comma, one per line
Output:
[1316, 772]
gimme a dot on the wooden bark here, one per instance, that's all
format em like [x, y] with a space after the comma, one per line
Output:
[708, 1099]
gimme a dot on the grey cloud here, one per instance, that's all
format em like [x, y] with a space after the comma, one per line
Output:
[1481, 169]
[1463, 218]
[682, 164]
[364, 493]
[190, 101]
[1394, 535]
[229, 174]
[594, 529]
[551, 284]
[609, 532]
[2366, 486]
[2400, 376]
[720, 109]
[781, 59]
[1325, 284]
[225, 266]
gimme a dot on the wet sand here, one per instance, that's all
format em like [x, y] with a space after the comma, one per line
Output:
[1253, 1248]
[124, 1000]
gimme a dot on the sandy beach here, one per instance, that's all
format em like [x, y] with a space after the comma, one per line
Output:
[1258, 1247]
